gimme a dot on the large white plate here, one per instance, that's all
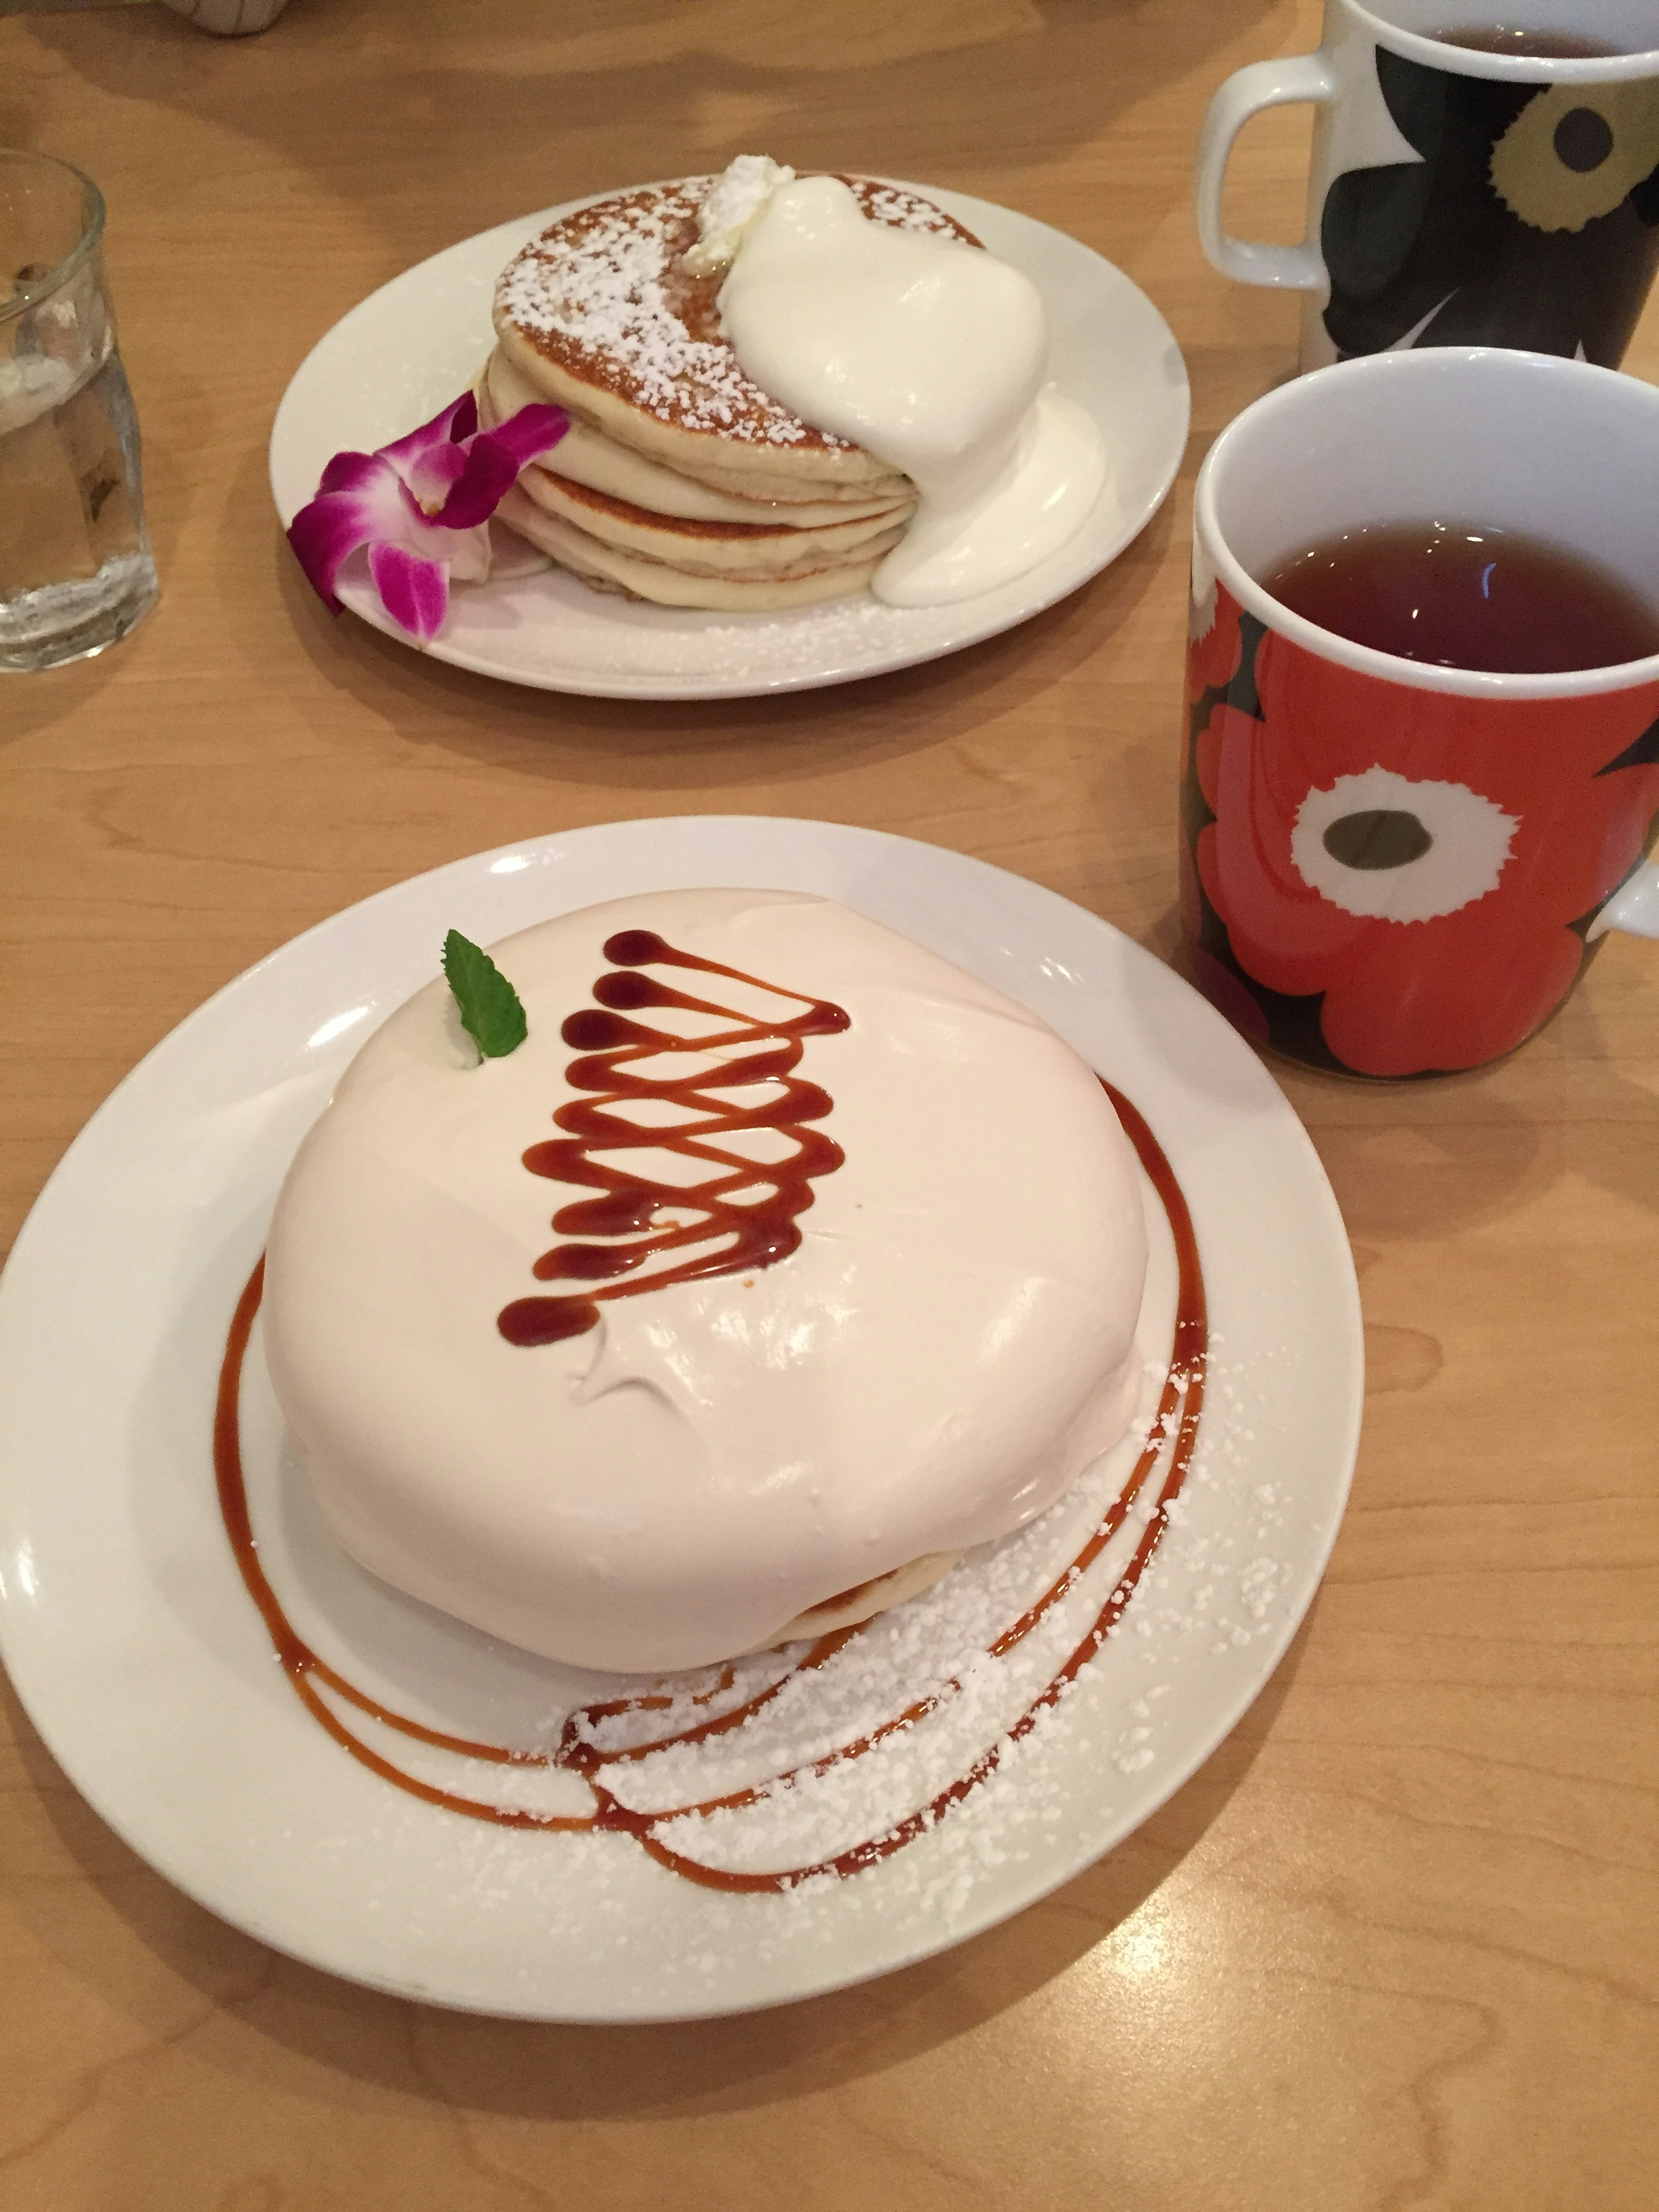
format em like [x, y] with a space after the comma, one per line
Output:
[408, 348]
[140, 1658]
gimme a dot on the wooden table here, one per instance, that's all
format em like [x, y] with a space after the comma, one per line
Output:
[1394, 1945]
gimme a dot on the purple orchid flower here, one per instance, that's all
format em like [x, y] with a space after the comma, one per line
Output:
[423, 507]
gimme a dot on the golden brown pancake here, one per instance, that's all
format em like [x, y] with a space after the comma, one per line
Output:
[637, 575]
[589, 457]
[600, 315]
[752, 550]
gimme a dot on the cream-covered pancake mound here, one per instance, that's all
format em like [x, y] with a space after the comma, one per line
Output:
[845, 1277]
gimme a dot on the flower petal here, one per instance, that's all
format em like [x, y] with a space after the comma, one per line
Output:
[322, 535]
[494, 460]
[414, 592]
[533, 430]
[429, 459]
[447, 428]
[350, 472]
[334, 524]
[432, 476]
[421, 505]
[364, 501]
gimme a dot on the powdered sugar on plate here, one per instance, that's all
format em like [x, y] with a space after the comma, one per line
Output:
[827, 1758]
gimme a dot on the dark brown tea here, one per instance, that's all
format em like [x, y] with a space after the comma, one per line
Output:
[1460, 595]
[1540, 45]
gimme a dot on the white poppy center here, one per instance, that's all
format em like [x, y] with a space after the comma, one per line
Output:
[1381, 845]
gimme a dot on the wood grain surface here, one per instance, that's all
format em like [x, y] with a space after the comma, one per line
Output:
[1393, 1947]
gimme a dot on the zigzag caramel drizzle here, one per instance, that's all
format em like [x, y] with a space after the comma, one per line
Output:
[1171, 1440]
[732, 1228]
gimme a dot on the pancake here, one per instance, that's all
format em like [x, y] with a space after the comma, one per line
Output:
[679, 482]
[753, 550]
[599, 315]
[587, 456]
[637, 575]
[851, 1609]
[670, 522]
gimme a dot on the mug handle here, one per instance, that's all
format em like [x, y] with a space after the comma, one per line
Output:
[1635, 907]
[1247, 93]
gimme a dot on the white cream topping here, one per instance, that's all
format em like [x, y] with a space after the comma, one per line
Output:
[1040, 495]
[950, 1346]
[931, 354]
[740, 193]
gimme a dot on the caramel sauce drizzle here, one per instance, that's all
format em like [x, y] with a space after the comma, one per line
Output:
[753, 1230]
[1174, 1425]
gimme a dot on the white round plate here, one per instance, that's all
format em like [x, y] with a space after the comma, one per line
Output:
[406, 350]
[141, 1660]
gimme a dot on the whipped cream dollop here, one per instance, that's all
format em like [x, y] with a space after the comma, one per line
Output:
[740, 193]
[931, 355]
[950, 1345]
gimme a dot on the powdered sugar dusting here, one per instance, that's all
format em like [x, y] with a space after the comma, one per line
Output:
[797, 1805]
[606, 292]
[803, 1800]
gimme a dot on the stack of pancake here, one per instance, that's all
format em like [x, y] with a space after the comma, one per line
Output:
[679, 481]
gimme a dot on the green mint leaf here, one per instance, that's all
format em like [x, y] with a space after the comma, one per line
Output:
[491, 1012]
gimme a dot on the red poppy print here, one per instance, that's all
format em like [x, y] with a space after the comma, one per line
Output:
[1418, 859]
[1213, 643]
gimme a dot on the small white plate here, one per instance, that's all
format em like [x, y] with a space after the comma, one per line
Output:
[407, 349]
[143, 1662]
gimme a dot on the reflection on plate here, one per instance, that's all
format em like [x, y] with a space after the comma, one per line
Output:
[403, 353]
[139, 1655]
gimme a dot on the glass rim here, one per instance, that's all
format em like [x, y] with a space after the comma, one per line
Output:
[92, 231]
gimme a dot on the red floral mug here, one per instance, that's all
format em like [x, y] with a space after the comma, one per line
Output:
[1520, 805]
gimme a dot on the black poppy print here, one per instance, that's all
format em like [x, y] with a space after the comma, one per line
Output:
[1532, 218]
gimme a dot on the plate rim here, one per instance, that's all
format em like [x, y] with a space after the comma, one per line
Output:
[600, 686]
[1220, 1721]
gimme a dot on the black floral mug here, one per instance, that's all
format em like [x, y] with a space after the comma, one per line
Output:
[1481, 176]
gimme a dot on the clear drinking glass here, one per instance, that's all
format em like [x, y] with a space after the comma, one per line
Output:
[76, 567]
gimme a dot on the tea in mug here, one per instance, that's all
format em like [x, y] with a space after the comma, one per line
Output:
[1462, 595]
[1540, 45]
